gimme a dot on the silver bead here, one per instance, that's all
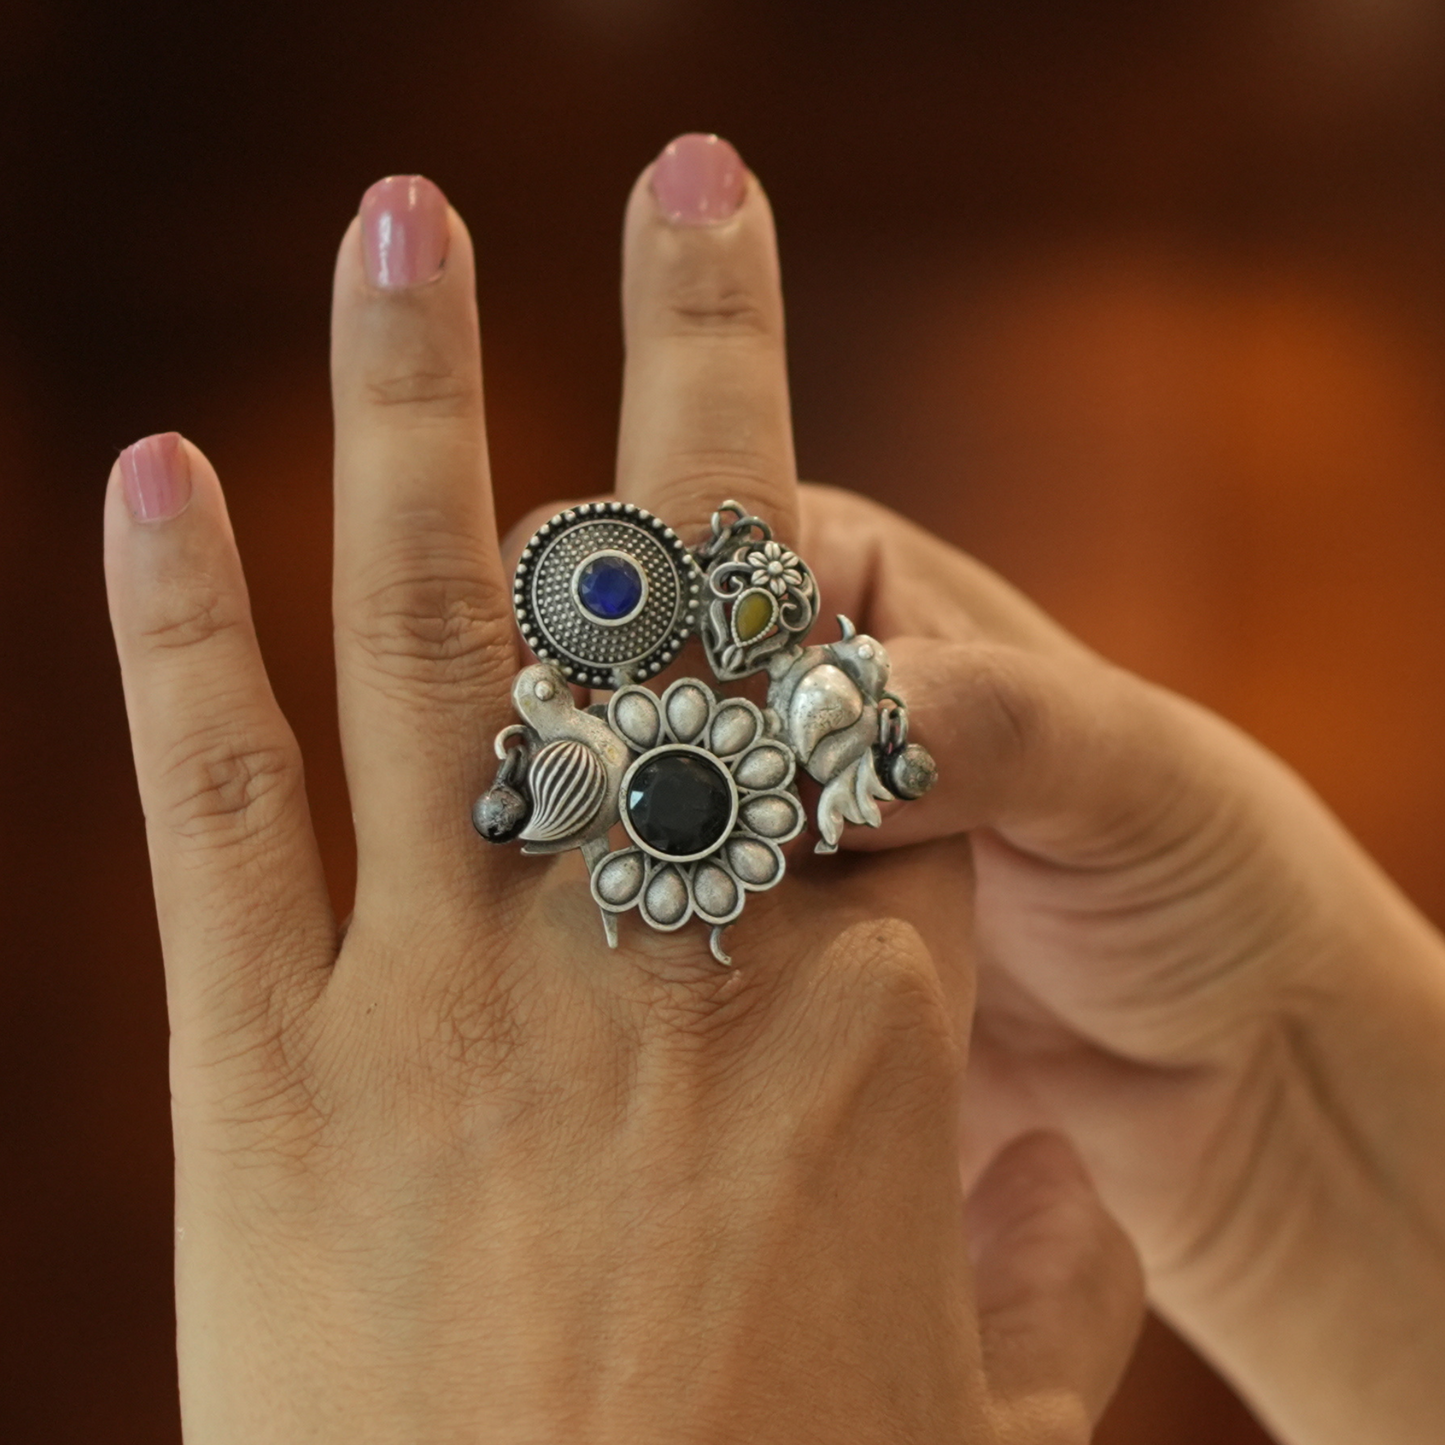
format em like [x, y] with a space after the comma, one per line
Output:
[911, 772]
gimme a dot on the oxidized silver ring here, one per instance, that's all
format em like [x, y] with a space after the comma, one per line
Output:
[702, 785]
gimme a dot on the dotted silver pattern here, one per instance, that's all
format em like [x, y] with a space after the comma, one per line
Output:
[557, 629]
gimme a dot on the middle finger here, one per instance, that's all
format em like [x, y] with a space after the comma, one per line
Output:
[705, 413]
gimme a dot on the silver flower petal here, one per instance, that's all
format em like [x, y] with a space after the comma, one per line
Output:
[635, 714]
[619, 878]
[775, 815]
[757, 863]
[686, 706]
[716, 894]
[768, 765]
[667, 901]
[736, 724]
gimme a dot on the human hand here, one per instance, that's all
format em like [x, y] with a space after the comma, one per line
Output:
[456, 1171]
[1188, 965]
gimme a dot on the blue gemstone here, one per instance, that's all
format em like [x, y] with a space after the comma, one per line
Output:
[609, 587]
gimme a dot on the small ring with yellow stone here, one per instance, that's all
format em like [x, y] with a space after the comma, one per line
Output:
[759, 597]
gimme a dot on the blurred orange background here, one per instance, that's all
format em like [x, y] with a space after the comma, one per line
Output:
[1141, 303]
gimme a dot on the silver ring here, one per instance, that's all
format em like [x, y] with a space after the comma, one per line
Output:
[701, 784]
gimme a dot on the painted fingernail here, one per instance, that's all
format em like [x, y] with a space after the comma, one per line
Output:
[403, 231]
[155, 476]
[699, 180]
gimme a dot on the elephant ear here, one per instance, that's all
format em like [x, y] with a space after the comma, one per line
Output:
[825, 701]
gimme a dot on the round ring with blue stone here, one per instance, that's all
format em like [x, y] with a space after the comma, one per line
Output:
[608, 592]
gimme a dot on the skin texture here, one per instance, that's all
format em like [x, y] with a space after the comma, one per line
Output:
[1186, 964]
[456, 1172]
[1189, 966]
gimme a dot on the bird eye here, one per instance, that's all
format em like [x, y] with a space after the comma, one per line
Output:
[865, 652]
[543, 691]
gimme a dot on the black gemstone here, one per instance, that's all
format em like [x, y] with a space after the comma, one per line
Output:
[680, 804]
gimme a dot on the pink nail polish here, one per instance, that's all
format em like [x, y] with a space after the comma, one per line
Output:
[699, 180]
[156, 477]
[403, 231]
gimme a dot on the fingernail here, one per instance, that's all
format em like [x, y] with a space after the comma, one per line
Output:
[699, 180]
[155, 476]
[403, 231]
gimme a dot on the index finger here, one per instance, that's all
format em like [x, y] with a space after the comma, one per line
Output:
[424, 638]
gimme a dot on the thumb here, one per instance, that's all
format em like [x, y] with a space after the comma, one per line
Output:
[1059, 1292]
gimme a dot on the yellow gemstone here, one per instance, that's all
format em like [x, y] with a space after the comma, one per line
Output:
[753, 616]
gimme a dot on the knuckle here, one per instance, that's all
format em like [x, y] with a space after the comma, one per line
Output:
[894, 1005]
[712, 306]
[424, 383]
[690, 1007]
[221, 786]
[693, 481]
[190, 616]
[1001, 694]
[423, 394]
[433, 625]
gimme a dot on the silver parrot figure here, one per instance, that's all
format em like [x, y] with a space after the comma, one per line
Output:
[850, 733]
[560, 775]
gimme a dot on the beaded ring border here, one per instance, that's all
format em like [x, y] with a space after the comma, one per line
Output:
[703, 785]
[594, 649]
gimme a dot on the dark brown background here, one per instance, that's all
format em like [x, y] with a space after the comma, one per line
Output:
[1142, 303]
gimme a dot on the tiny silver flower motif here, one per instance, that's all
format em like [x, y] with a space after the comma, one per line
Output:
[707, 804]
[775, 568]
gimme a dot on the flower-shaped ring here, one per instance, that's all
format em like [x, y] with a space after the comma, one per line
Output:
[707, 804]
